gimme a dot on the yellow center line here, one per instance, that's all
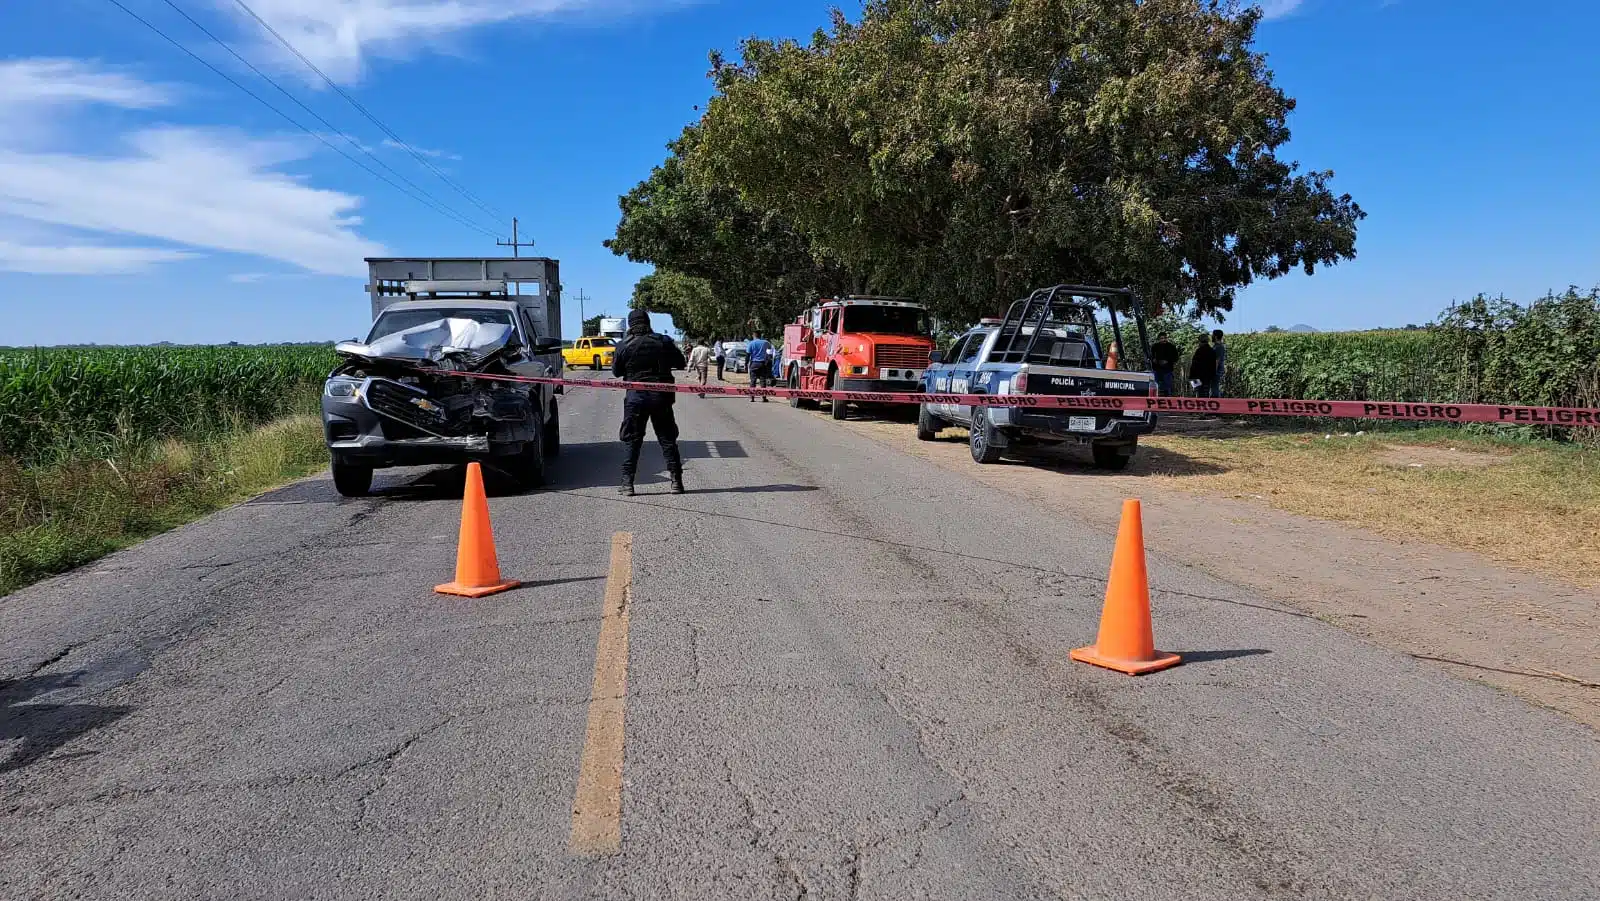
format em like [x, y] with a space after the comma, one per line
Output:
[597, 807]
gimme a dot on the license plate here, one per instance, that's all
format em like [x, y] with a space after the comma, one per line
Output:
[1081, 423]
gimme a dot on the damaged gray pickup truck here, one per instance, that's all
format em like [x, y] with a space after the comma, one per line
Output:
[405, 396]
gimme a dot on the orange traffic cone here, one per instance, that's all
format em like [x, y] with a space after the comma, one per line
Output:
[477, 569]
[1126, 643]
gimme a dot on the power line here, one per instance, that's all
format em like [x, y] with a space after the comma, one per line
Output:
[314, 114]
[493, 213]
[291, 120]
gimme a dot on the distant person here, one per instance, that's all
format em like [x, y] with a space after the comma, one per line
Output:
[1114, 356]
[721, 355]
[1218, 348]
[760, 368]
[648, 357]
[1203, 367]
[777, 365]
[1164, 362]
[700, 363]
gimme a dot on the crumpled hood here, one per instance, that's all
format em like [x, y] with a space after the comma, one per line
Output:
[435, 341]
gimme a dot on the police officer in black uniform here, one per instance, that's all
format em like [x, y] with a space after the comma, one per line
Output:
[648, 357]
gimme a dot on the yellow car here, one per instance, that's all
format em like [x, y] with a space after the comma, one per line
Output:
[594, 353]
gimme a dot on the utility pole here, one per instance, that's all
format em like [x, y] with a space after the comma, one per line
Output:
[581, 298]
[514, 243]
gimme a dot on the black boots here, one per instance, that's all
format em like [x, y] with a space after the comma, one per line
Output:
[674, 465]
[630, 465]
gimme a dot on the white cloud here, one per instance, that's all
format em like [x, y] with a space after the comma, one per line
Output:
[38, 95]
[435, 154]
[42, 81]
[192, 189]
[339, 35]
[1277, 9]
[82, 259]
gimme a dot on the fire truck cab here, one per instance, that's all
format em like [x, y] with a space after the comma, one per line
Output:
[877, 344]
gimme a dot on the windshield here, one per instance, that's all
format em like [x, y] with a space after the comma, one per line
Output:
[394, 321]
[886, 320]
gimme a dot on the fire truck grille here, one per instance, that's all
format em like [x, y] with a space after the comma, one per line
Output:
[901, 356]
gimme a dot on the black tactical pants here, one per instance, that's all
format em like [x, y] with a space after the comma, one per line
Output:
[655, 409]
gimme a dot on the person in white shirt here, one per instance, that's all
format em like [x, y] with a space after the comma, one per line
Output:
[700, 362]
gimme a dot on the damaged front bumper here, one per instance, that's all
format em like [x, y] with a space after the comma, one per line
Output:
[381, 422]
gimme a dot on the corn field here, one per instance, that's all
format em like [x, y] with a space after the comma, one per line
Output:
[1492, 351]
[63, 402]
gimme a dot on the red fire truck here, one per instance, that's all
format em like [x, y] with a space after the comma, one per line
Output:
[857, 344]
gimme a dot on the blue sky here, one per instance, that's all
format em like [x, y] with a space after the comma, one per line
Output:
[143, 198]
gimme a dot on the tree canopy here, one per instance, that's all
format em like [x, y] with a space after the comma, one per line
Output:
[966, 151]
[723, 265]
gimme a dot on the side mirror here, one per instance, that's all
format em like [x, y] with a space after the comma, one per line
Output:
[547, 345]
[935, 356]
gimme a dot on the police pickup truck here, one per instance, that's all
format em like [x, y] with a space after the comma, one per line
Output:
[1047, 344]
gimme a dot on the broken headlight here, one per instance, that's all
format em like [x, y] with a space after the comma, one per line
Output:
[342, 387]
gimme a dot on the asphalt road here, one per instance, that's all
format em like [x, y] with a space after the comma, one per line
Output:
[846, 677]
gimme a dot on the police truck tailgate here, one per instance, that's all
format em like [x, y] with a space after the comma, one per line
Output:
[1061, 381]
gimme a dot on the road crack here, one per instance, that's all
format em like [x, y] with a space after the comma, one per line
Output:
[694, 653]
[384, 763]
[762, 838]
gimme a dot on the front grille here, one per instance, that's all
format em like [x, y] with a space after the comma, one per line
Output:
[900, 356]
[401, 403]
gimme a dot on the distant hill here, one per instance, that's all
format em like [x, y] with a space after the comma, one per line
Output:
[1303, 328]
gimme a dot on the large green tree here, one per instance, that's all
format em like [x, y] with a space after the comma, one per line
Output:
[688, 300]
[966, 151]
[751, 265]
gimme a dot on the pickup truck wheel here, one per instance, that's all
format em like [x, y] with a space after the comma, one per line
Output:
[351, 480]
[552, 433]
[983, 436]
[596, 364]
[928, 425]
[529, 465]
[1110, 456]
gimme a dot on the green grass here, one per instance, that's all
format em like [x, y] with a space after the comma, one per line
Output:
[101, 447]
[61, 514]
[1530, 503]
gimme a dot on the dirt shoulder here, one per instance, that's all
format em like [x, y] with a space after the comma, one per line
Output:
[1403, 539]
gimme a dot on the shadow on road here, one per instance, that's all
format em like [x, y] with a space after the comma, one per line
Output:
[753, 489]
[42, 728]
[1208, 656]
[1076, 460]
[580, 465]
